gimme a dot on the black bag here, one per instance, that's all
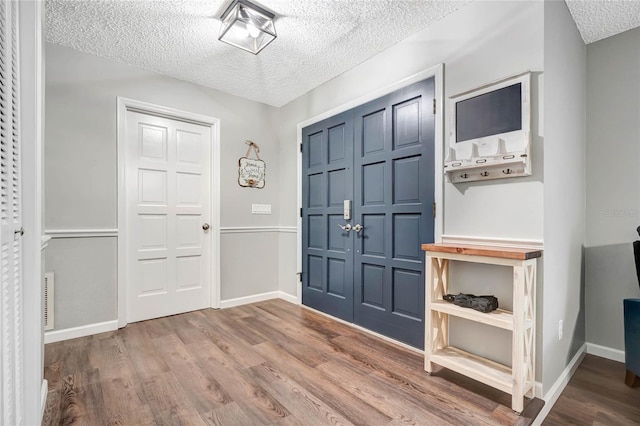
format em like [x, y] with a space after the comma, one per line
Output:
[479, 303]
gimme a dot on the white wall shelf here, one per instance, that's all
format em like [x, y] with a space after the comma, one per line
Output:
[488, 167]
[517, 380]
[488, 139]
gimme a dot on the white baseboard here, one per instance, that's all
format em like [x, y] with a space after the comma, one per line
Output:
[239, 301]
[87, 330]
[537, 390]
[605, 352]
[288, 297]
[552, 396]
[44, 390]
[82, 331]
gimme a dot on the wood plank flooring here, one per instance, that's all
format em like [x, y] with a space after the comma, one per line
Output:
[269, 363]
[597, 395]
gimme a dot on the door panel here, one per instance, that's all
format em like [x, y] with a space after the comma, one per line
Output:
[168, 200]
[327, 282]
[393, 173]
[379, 155]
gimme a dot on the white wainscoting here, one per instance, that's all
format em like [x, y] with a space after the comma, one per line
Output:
[44, 242]
[257, 229]
[90, 329]
[93, 233]
[81, 233]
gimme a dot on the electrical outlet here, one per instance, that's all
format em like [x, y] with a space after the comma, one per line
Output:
[560, 329]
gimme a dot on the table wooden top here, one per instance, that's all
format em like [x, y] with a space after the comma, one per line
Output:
[488, 251]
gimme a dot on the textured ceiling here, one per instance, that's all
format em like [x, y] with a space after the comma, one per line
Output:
[598, 19]
[317, 39]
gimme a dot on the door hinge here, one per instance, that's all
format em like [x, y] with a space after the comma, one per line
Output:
[434, 209]
[300, 211]
[300, 147]
[299, 274]
[434, 106]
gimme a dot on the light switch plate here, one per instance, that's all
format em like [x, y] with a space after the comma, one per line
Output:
[260, 208]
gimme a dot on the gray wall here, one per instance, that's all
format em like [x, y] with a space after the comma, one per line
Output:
[613, 199]
[564, 190]
[81, 185]
[611, 277]
[480, 43]
[86, 280]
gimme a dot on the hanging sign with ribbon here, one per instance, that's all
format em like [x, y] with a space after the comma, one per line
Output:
[251, 171]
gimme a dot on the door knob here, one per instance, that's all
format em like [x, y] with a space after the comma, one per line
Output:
[205, 226]
[357, 227]
[346, 227]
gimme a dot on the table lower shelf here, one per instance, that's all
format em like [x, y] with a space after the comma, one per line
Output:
[481, 369]
[498, 318]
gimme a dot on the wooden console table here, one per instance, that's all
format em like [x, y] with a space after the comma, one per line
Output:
[518, 380]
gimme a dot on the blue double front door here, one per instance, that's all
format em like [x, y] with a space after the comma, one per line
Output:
[367, 206]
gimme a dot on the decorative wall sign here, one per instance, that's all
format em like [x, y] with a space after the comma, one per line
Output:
[251, 172]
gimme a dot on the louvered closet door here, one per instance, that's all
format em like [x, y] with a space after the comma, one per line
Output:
[168, 179]
[11, 218]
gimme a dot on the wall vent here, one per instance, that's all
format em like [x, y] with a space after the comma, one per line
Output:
[49, 280]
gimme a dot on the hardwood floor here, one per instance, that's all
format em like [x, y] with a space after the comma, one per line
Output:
[597, 395]
[269, 363]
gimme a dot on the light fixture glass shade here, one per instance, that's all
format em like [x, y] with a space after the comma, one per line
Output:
[247, 26]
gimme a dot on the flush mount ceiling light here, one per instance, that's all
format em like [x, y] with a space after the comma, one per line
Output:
[247, 26]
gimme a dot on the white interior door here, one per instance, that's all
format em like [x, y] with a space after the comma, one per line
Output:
[168, 203]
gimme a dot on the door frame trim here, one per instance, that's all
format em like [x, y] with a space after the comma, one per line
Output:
[123, 106]
[437, 72]
[30, 380]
